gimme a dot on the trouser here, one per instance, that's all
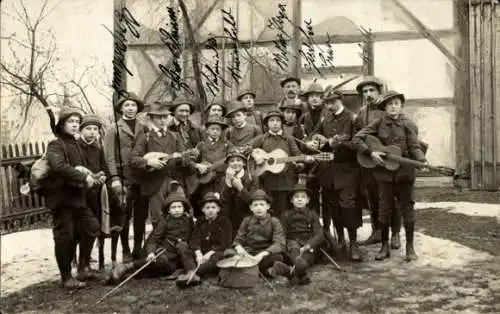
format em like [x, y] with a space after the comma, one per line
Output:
[293, 251]
[340, 206]
[280, 202]
[210, 266]
[70, 225]
[388, 193]
[215, 187]
[136, 205]
[173, 258]
[314, 193]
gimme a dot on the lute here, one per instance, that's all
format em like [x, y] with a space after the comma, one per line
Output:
[275, 161]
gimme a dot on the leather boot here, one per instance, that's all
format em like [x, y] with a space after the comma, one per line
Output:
[355, 254]
[410, 253]
[119, 271]
[395, 241]
[384, 252]
[410, 250]
[301, 267]
[282, 269]
[374, 238]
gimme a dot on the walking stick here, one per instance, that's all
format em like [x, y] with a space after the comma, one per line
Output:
[132, 276]
[334, 263]
[192, 275]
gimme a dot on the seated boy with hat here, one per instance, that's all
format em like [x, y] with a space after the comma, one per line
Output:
[241, 132]
[304, 235]
[172, 233]
[260, 235]
[212, 235]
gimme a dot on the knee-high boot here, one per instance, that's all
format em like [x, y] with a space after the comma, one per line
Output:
[385, 251]
[410, 250]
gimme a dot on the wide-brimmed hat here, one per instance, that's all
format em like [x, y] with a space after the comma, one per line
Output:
[382, 101]
[369, 80]
[291, 104]
[182, 101]
[260, 195]
[313, 88]
[289, 79]
[176, 197]
[158, 108]
[90, 119]
[234, 106]
[64, 115]
[216, 120]
[332, 95]
[236, 152]
[129, 96]
[211, 197]
[300, 187]
[245, 92]
[273, 113]
[224, 109]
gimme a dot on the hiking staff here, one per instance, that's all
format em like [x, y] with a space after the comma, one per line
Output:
[332, 261]
[192, 275]
[160, 252]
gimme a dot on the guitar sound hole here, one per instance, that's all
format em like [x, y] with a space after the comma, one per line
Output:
[270, 161]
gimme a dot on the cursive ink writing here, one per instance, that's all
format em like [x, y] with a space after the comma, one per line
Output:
[232, 32]
[278, 22]
[171, 39]
[329, 53]
[124, 21]
[211, 73]
[310, 54]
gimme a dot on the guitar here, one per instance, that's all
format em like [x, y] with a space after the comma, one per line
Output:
[150, 173]
[323, 140]
[393, 158]
[275, 161]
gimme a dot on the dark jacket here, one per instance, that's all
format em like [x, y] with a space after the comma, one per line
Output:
[194, 133]
[242, 136]
[261, 234]
[254, 117]
[215, 235]
[169, 232]
[310, 119]
[302, 226]
[343, 171]
[401, 132]
[66, 186]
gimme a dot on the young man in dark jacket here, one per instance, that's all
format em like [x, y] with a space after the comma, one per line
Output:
[65, 196]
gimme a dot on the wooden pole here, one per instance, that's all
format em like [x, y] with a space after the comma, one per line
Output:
[297, 37]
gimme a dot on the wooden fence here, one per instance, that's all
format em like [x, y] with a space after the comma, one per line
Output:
[19, 209]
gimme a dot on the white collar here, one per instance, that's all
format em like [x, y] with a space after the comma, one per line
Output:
[280, 132]
[340, 110]
[157, 130]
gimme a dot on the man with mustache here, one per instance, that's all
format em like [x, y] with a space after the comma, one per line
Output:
[370, 88]
[291, 90]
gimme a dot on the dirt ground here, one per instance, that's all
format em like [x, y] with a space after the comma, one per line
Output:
[458, 271]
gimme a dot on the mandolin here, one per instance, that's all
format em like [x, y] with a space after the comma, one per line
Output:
[275, 161]
[393, 158]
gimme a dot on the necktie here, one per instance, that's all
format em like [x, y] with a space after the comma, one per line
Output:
[183, 132]
[163, 132]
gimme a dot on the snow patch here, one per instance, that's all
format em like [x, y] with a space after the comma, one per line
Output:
[466, 208]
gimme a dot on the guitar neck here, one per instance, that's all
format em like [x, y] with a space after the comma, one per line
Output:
[292, 159]
[410, 162]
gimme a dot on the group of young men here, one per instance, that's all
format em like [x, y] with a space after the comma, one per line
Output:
[175, 172]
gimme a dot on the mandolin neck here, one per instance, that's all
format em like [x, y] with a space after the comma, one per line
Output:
[409, 161]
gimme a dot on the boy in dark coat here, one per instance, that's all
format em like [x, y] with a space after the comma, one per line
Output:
[260, 235]
[253, 116]
[241, 132]
[291, 113]
[212, 235]
[394, 129]
[172, 233]
[279, 185]
[304, 236]
[237, 186]
[65, 196]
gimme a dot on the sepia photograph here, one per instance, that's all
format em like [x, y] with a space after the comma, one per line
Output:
[250, 156]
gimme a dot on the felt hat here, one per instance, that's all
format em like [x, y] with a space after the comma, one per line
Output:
[245, 92]
[313, 88]
[90, 119]
[300, 187]
[159, 109]
[236, 152]
[332, 95]
[382, 101]
[291, 104]
[64, 115]
[224, 109]
[176, 197]
[182, 101]
[260, 195]
[273, 113]
[289, 79]
[129, 96]
[369, 80]
[211, 197]
[234, 106]
[216, 120]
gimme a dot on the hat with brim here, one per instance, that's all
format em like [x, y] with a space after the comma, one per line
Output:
[129, 96]
[314, 88]
[245, 92]
[90, 119]
[182, 101]
[217, 121]
[211, 197]
[65, 113]
[332, 95]
[273, 113]
[158, 109]
[300, 188]
[289, 79]
[235, 152]
[235, 106]
[260, 195]
[176, 197]
[291, 104]
[224, 109]
[369, 80]
[384, 99]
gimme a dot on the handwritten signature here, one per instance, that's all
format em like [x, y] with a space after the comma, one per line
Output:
[234, 68]
[278, 22]
[124, 22]
[171, 39]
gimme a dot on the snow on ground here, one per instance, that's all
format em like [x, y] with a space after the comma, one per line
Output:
[28, 258]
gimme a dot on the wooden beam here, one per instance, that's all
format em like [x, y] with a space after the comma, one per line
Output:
[319, 39]
[430, 102]
[478, 2]
[297, 38]
[429, 34]
[333, 70]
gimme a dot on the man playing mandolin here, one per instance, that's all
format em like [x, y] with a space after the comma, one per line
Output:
[393, 180]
